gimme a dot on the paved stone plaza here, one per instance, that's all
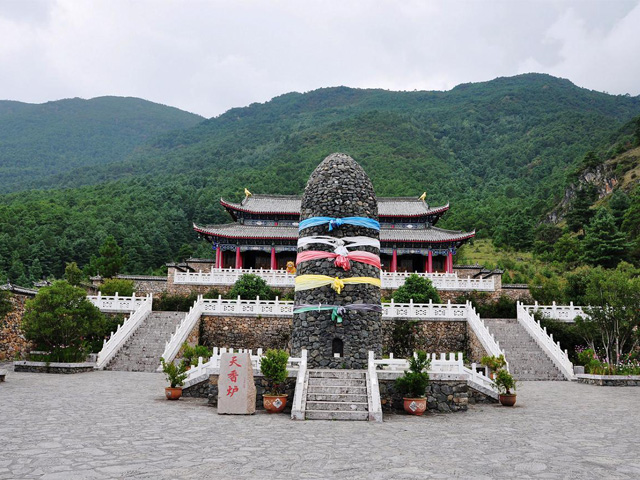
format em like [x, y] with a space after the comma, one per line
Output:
[118, 425]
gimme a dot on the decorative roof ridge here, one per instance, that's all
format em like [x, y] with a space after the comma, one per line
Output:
[18, 289]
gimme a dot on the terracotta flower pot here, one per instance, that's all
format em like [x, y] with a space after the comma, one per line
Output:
[274, 403]
[415, 406]
[173, 393]
[508, 400]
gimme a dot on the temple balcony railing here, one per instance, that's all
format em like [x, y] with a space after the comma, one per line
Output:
[280, 278]
[116, 303]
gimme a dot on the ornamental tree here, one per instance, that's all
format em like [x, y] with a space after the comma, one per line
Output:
[120, 286]
[613, 314]
[603, 243]
[60, 320]
[418, 288]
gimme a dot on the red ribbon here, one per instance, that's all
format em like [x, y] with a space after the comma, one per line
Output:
[342, 261]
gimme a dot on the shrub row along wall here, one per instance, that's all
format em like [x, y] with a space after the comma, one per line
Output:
[400, 336]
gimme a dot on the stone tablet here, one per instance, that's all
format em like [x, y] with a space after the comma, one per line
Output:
[236, 388]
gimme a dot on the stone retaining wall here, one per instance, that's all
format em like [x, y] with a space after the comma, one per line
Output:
[245, 332]
[433, 336]
[610, 380]
[44, 367]
[12, 341]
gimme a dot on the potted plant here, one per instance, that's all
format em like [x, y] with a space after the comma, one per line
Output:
[273, 366]
[504, 384]
[493, 364]
[176, 375]
[413, 384]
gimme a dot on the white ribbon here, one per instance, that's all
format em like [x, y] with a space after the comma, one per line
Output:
[340, 245]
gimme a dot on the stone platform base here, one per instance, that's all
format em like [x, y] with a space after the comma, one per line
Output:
[53, 367]
[610, 380]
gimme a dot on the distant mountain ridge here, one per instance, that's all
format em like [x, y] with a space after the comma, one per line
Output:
[38, 141]
[499, 151]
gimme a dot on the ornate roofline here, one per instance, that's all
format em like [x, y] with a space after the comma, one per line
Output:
[457, 236]
[232, 207]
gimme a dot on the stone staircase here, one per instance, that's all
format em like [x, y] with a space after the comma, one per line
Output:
[144, 348]
[337, 395]
[527, 361]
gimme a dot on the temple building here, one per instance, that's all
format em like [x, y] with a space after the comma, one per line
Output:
[264, 234]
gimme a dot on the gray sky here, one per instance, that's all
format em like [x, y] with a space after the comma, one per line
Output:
[209, 56]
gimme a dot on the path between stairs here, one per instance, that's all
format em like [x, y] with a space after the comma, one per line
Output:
[144, 348]
[527, 361]
[337, 395]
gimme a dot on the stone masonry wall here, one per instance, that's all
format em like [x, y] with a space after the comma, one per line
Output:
[433, 336]
[245, 332]
[476, 350]
[12, 341]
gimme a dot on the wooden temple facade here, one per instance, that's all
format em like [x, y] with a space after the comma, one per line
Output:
[264, 234]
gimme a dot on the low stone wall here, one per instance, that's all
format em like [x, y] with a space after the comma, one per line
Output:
[442, 396]
[610, 380]
[209, 389]
[12, 341]
[44, 367]
[434, 336]
[245, 332]
[475, 349]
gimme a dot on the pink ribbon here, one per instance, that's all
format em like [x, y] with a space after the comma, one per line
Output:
[342, 261]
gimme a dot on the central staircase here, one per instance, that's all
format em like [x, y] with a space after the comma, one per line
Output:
[527, 361]
[144, 348]
[337, 395]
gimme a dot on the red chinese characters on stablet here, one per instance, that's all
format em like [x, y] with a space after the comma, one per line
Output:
[233, 376]
[231, 390]
[234, 361]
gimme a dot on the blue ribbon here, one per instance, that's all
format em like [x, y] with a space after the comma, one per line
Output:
[337, 222]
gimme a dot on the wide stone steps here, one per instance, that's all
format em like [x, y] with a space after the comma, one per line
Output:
[337, 395]
[144, 348]
[527, 361]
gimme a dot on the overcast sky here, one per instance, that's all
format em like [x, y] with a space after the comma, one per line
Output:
[209, 56]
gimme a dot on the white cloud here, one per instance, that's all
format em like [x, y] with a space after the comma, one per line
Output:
[208, 56]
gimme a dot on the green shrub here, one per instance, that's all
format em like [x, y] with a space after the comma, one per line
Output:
[413, 384]
[174, 303]
[273, 366]
[5, 303]
[493, 362]
[250, 286]
[190, 355]
[416, 288]
[111, 286]
[60, 320]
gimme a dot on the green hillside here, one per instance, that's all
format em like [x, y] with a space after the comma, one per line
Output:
[499, 151]
[38, 142]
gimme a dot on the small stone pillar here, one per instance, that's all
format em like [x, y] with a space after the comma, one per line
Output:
[338, 188]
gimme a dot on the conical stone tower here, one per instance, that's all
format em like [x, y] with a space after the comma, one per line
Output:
[338, 188]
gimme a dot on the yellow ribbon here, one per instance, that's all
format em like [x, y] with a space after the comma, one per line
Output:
[307, 282]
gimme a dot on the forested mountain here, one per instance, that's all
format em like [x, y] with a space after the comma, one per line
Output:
[38, 141]
[499, 151]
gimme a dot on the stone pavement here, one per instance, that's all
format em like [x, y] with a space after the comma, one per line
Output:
[118, 425]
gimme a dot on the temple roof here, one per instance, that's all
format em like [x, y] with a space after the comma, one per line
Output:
[237, 230]
[290, 205]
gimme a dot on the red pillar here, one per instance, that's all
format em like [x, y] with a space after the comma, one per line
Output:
[238, 258]
[274, 264]
[430, 262]
[450, 263]
[218, 257]
[394, 261]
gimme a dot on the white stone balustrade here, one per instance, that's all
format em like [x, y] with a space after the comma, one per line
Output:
[486, 338]
[116, 303]
[562, 313]
[552, 348]
[443, 366]
[141, 308]
[280, 278]
[183, 329]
